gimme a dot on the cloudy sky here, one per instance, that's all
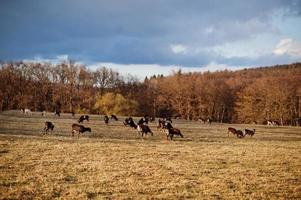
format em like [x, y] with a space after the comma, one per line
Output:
[144, 37]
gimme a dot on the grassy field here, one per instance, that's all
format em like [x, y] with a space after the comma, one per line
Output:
[113, 162]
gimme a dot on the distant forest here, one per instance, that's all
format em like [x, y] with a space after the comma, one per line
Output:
[244, 96]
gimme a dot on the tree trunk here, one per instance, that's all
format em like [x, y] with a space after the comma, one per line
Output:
[223, 114]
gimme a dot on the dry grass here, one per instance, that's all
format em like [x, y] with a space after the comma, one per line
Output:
[113, 162]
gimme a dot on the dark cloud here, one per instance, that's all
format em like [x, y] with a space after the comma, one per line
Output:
[132, 31]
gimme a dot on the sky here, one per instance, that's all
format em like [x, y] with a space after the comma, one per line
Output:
[145, 37]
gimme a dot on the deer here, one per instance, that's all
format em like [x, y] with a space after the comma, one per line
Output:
[144, 129]
[82, 118]
[48, 126]
[106, 119]
[172, 131]
[79, 129]
[231, 130]
[249, 132]
[239, 134]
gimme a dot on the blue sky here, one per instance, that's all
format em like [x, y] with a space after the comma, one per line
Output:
[153, 37]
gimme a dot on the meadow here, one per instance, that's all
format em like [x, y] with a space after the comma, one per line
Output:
[114, 162]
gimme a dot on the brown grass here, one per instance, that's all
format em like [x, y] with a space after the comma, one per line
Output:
[114, 162]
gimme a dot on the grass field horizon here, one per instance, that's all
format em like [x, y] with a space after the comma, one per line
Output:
[114, 162]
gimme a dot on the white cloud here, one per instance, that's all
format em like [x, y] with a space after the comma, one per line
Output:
[55, 60]
[142, 70]
[213, 66]
[63, 57]
[138, 70]
[178, 48]
[288, 46]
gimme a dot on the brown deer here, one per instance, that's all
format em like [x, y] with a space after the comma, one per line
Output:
[114, 117]
[48, 126]
[144, 129]
[231, 130]
[106, 119]
[82, 118]
[172, 131]
[79, 129]
[249, 132]
[270, 123]
[239, 134]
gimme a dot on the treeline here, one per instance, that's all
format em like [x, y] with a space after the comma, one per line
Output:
[66, 86]
[245, 96]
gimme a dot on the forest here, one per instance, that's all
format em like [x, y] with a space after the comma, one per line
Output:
[252, 95]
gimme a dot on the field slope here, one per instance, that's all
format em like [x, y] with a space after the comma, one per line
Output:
[113, 162]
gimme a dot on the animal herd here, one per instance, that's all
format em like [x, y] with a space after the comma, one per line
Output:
[163, 124]
[273, 123]
[142, 127]
[239, 133]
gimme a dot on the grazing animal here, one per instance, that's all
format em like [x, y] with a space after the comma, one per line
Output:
[48, 126]
[82, 118]
[126, 121]
[172, 131]
[130, 122]
[57, 113]
[167, 125]
[163, 125]
[249, 132]
[79, 129]
[270, 123]
[114, 117]
[44, 113]
[209, 121]
[26, 111]
[273, 123]
[106, 119]
[143, 120]
[144, 129]
[231, 130]
[239, 134]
